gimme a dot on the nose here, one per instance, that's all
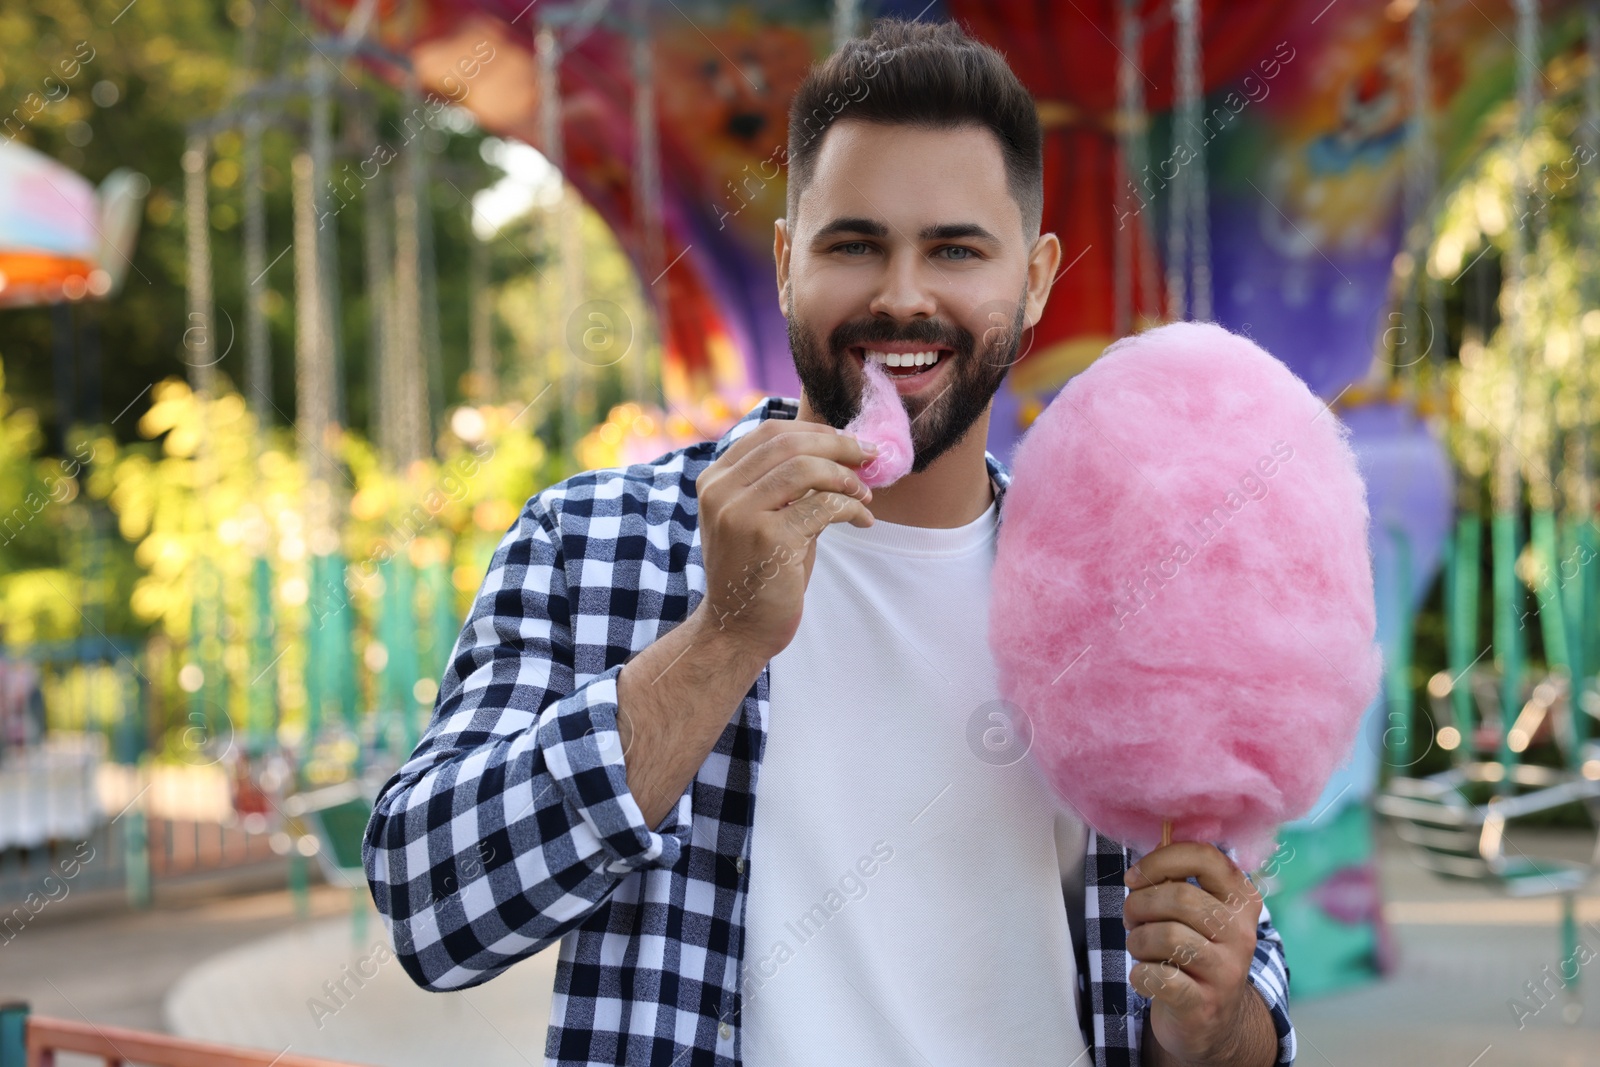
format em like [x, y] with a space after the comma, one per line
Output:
[905, 290]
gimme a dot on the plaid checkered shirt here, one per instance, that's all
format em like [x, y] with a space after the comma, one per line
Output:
[511, 827]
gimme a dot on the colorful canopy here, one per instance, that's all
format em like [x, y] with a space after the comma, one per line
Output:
[48, 245]
[60, 239]
[1305, 126]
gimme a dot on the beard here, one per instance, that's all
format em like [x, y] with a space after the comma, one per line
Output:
[834, 381]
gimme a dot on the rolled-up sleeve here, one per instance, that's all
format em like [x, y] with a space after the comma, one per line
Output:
[512, 821]
[1269, 973]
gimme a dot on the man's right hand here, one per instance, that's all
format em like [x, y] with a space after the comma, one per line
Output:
[762, 504]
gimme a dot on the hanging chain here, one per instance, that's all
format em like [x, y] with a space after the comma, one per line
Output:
[1507, 487]
[1589, 245]
[1188, 228]
[1420, 327]
[257, 337]
[1130, 167]
[1199, 200]
[846, 18]
[647, 194]
[569, 251]
[199, 339]
[1178, 198]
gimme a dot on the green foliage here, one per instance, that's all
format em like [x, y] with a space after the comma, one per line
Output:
[36, 512]
[205, 501]
[160, 65]
[168, 61]
[1533, 393]
[160, 504]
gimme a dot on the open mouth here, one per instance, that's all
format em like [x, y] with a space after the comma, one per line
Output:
[910, 369]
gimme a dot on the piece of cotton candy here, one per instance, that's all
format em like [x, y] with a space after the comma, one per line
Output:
[1182, 594]
[883, 421]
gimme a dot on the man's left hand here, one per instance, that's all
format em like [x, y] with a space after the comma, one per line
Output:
[1195, 944]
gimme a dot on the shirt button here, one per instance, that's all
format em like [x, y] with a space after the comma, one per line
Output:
[738, 865]
[725, 1031]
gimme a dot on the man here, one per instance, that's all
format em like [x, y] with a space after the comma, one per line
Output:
[773, 836]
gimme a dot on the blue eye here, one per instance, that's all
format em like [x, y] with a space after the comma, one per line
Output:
[850, 244]
[968, 253]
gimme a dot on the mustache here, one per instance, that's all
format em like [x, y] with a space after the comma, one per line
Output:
[882, 331]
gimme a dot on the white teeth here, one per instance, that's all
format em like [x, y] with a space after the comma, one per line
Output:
[902, 359]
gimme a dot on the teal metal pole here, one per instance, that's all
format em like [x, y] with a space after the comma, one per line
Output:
[1397, 679]
[1552, 618]
[263, 695]
[1573, 1008]
[136, 857]
[299, 883]
[14, 1034]
[398, 625]
[341, 649]
[444, 623]
[1461, 595]
[316, 638]
[403, 656]
[1578, 599]
[1508, 634]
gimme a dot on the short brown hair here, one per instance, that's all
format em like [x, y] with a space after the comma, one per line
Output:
[928, 74]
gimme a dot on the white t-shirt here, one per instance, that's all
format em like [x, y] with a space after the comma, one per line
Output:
[907, 860]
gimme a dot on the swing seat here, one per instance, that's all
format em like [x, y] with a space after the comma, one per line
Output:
[336, 816]
[1543, 703]
[1454, 823]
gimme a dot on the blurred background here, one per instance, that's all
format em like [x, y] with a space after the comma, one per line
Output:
[300, 302]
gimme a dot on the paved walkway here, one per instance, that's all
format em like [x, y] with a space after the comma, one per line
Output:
[320, 992]
[1464, 955]
[244, 970]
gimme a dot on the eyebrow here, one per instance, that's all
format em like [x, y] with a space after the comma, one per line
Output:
[849, 225]
[953, 231]
[947, 231]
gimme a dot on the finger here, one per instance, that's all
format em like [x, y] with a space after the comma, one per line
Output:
[1173, 943]
[1192, 906]
[740, 449]
[796, 476]
[1183, 860]
[769, 430]
[1185, 962]
[1174, 902]
[774, 448]
[810, 515]
[1165, 984]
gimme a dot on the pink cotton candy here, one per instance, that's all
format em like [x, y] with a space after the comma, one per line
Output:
[1182, 596]
[884, 422]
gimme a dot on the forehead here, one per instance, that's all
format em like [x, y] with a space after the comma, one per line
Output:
[911, 178]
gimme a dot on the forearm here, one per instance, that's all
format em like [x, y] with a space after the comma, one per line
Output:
[421, 881]
[1254, 1044]
[674, 699]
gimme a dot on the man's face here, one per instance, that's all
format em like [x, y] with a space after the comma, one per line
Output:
[908, 240]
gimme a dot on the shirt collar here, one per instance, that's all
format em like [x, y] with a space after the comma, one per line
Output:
[784, 407]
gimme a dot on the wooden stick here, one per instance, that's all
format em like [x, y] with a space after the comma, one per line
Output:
[1166, 832]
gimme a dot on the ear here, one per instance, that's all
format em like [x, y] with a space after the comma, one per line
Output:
[1043, 261]
[780, 256]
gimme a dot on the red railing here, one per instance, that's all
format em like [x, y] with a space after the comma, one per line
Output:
[185, 847]
[119, 1047]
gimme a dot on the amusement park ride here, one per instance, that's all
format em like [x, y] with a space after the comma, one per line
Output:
[1459, 822]
[613, 91]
